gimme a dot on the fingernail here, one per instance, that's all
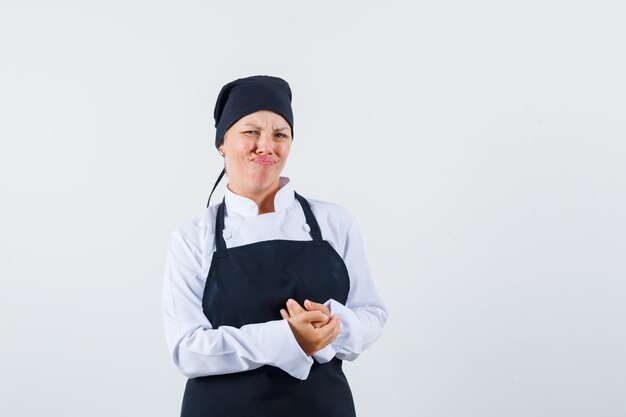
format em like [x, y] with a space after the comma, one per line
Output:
[289, 301]
[324, 317]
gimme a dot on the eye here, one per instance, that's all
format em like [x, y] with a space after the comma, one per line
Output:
[252, 131]
[282, 135]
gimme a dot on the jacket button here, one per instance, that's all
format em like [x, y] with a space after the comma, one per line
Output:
[227, 234]
[306, 227]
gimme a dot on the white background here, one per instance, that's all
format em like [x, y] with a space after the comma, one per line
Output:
[481, 146]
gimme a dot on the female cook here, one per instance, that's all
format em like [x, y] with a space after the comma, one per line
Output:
[266, 293]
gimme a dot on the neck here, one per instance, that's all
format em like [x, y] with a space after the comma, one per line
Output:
[264, 199]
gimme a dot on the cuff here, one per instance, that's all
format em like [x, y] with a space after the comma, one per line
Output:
[351, 336]
[325, 354]
[282, 349]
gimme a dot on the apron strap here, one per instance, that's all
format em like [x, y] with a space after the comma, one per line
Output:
[220, 244]
[310, 218]
[216, 182]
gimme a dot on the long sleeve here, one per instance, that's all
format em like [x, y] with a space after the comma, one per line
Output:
[196, 348]
[364, 314]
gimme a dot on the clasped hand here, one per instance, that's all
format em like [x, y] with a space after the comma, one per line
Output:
[313, 328]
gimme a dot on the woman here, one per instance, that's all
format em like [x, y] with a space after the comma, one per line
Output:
[267, 292]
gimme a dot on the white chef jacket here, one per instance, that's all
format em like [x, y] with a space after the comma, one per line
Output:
[197, 349]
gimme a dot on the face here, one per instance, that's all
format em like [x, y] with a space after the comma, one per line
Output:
[255, 150]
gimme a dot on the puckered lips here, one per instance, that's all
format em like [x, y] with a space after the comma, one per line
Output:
[264, 160]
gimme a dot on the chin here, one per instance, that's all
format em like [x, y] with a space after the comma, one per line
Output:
[263, 182]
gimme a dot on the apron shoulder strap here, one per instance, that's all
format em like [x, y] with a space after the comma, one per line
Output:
[220, 244]
[316, 233]
[215, 186]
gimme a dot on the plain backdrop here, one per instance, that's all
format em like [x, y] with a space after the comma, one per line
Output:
[481, 146]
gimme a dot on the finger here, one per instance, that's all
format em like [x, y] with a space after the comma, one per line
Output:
[331, 328]
[291, 308]
[299, 309]
[331, 337]
[311, 305]
[330, 321]
[294, 308]
[312, 316]
[284, 314]
[318, 324]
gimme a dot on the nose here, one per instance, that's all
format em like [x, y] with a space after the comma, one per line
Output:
[265, 144]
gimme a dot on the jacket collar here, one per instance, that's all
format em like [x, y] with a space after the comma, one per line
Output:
[246, 207]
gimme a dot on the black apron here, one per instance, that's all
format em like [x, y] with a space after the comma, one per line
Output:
[250, 284]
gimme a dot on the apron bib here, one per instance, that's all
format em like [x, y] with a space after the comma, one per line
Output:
[250, 284]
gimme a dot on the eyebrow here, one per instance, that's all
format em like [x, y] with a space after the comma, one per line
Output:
[259, 128]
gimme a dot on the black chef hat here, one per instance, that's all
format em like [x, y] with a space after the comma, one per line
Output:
[243, 96]
[246, 95]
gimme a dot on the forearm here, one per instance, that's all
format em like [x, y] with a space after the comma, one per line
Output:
[203, 352]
